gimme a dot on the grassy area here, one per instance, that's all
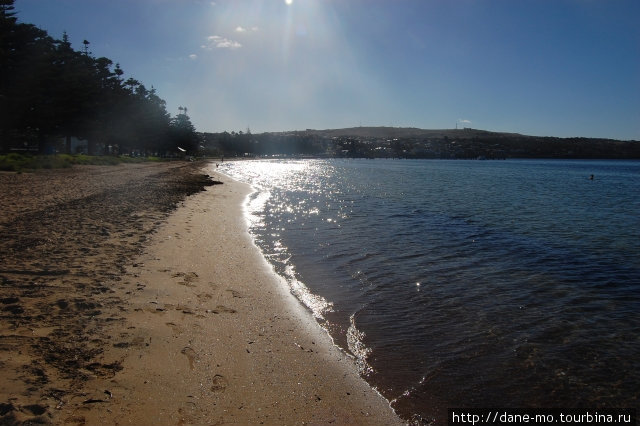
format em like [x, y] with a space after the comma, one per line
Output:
[20, 162]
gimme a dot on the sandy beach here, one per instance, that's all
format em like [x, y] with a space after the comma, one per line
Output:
[118, 309]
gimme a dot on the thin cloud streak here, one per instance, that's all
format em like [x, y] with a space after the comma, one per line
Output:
[219, 42]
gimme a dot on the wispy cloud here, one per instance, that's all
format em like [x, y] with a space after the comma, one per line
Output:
[193, 56]
[240, 29]
[460, 120]
[219, 42]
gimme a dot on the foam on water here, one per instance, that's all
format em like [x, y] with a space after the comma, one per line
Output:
[355, 343]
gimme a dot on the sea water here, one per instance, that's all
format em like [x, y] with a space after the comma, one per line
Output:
[464, 283]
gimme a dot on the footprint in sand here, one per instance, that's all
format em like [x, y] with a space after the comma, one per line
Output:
[139, 341]
[188, 278]
[191, 355]
[177, 330]
[235, 293]
[219, 384]
[220, 309]
[154, 308]
[75, 420]
[34, 409]
[203, 297]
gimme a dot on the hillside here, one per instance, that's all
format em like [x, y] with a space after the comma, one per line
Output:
[404, 132]
[397, 142]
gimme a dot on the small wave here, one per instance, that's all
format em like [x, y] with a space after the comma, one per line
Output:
[317, 304]
[355, 343]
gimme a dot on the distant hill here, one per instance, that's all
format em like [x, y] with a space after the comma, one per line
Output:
[412, 132]
[404, 132]
[410, 142]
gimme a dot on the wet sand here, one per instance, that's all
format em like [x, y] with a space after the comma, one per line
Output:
[116, 309]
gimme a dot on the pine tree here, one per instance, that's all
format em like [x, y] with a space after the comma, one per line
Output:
[49, 90]
[183, 133]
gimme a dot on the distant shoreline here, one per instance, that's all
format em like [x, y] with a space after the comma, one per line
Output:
[391, 142]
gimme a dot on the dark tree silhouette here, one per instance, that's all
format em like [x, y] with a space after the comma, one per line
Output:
[183, 133]
[51, 92]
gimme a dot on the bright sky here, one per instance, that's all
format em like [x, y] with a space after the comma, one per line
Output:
[540, 67]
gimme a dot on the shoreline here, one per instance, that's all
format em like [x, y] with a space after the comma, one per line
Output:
[242, 349]
[202, 331]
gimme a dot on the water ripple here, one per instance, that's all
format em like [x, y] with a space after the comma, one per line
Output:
[512, 283]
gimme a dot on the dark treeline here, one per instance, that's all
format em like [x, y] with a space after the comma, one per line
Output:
[51, 95]
[264, 144]
[392, 142]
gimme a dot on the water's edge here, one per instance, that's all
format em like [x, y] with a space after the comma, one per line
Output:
[314, 304]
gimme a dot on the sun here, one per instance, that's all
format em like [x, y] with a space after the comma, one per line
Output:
[288, 1]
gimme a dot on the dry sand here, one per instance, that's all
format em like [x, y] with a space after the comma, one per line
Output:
[156, 318]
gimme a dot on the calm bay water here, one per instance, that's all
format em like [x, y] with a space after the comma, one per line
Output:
[464, 283]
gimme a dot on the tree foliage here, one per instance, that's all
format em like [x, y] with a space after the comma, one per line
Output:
[51, 92]
[183, 133]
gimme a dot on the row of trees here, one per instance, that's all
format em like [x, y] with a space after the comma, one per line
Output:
[49, 91]
[238, 144]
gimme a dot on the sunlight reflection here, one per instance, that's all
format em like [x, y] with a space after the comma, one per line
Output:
[280, 174]
[274, 181]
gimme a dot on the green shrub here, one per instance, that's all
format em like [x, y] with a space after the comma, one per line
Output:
[15, 162]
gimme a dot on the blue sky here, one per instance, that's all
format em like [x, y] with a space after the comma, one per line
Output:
[540, 67]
